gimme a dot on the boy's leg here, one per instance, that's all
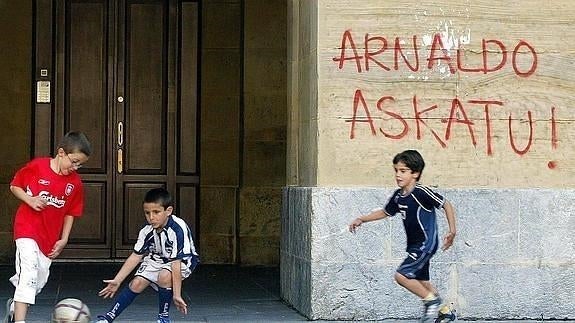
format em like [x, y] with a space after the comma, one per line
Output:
[413, 274]
[165, 295]
[413, 285]
[29, 263]
[430, 287]
[124, 299]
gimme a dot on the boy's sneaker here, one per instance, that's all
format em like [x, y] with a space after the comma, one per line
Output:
[430, 310]
[163, 320]
[101, 319]
[9, 316]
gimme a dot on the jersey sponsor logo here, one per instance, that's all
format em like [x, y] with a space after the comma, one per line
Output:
[69, 189]
[402, 211]
[52, 200]
[43, 182]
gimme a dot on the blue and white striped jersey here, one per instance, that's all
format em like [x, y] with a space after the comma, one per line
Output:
[173, 242]
[417, 210]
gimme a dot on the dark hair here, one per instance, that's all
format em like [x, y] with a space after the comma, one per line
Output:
[159, 195]
[76, 142]
[412, 159]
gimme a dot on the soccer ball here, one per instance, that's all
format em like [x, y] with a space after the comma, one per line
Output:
[71, 310]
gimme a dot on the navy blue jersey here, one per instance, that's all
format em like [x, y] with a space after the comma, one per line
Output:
[417, 210]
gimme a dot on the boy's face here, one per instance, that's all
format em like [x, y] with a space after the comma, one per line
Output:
[404, 176]
[70, 162]
[156, 215]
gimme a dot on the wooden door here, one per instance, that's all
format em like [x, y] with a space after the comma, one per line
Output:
[125, 73]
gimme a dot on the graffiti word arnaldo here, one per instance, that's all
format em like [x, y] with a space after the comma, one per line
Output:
[379, 53]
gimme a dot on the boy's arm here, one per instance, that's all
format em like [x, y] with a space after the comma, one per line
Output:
[35, 202]
[177, 286]
[450, 215]
[113, 284]
[374, 215]
[60, 244]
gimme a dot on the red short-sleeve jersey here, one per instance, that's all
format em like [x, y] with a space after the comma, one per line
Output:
[64, 194]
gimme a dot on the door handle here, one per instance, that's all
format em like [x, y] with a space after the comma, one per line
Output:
[120, 133]
[120, 166]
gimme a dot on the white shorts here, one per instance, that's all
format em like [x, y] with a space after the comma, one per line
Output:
[32, 271]
[150, 270]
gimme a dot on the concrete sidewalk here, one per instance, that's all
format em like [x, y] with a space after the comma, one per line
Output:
[214, 294]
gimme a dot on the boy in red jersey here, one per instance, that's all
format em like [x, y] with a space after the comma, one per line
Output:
[52, 196]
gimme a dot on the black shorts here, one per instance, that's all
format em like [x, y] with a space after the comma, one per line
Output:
[416, 264]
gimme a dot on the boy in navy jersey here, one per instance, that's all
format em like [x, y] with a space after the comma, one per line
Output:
[416, 204]
[167, 254]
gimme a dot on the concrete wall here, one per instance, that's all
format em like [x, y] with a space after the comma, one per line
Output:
[513, 256]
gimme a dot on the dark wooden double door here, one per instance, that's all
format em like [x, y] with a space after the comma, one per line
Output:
[125, 73]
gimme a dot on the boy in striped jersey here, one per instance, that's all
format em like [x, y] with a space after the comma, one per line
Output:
[167, 254]
[416, 204]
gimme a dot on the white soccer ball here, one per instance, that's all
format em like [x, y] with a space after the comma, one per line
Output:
[71, 310]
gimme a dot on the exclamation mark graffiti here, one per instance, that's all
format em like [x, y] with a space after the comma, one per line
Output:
[552, 164]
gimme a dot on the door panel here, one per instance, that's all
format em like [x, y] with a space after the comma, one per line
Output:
[146, 90]
[125, 73]
[82, 90]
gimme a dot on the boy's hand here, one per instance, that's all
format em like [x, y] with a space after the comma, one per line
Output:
[180, 304]
[57, 248]
[448, 240]
[110, 290]
[353, 226]
[37, 203]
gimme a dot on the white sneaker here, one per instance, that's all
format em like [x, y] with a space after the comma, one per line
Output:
[9, 316]
[430, 310]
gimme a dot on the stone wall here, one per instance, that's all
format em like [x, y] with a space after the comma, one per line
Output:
[512, 258]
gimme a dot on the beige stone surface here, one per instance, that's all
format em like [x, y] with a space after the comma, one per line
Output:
[217, 224]
[302, 92]
[462, 144]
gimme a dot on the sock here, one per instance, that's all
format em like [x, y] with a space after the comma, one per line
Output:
[165, 296]
[429, 297]
[125, 298]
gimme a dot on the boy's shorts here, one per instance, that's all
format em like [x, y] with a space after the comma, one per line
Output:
[32, 271]
[416, 264]
[150, 269]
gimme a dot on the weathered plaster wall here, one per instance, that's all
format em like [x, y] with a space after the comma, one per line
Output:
[374, 101]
